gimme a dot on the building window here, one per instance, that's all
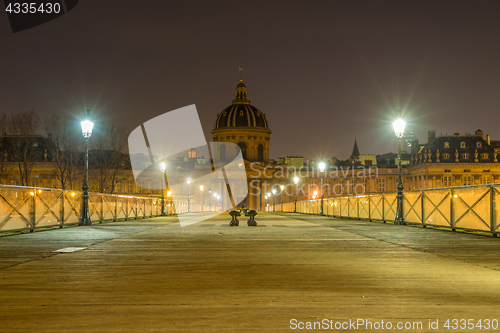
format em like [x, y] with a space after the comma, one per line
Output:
[465, 156]
[222, 153]
[462, 144]
[467, 180]
[478, 144]
[446, 156]
[243, 148]
[484, 156]
[381, 184]
[129, 186]
[485, 180]
[260, 152]
[447, 181]
[447, 144]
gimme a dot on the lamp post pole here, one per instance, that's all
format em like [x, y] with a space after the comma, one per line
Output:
[87, 126]
[282, 187]
[189, 206]
[163, 167]
[274, 199]
[399, 129]
[296, 181]
[322, 170]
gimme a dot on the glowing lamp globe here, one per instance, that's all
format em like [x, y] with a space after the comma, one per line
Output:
[87, 127]
[399, 127]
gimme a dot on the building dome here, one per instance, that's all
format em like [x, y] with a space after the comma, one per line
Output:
[241, 113]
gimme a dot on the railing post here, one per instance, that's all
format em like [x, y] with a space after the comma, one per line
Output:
[383, 208]
[62, 210]
[102, 209]
[493, 224]
[126, 209]
[369, 208]
[422, 218]
[33, 212]
[452, 211]
[116, 208]
[357, 204]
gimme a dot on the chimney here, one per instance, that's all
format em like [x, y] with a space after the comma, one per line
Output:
[479, 133]
[431, 136]
[488, 139]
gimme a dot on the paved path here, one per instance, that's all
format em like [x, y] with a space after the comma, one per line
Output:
[153, 276]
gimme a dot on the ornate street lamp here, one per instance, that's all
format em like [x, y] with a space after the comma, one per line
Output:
[87, 126]
[202, 188]
[282, 192]
[163, 167]
[188, 182]
[266, 201]
[296, 181]
[399, 129]
[274, 199]
[321, 166]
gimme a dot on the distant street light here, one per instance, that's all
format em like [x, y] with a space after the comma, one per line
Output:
[399, 129]
[87, 126]
[163, 167]
[188, 182]
[296, 181]
[281, 199]
[321, 166]
[274, 199]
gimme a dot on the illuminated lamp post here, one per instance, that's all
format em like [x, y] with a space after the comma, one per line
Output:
[274, 199]
[188, 182]
[163, 167]
[399, 129]
[282, 187]
[321, 166]
[87, 126]
[296, 181]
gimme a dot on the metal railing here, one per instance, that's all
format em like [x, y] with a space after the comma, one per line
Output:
[465, 207]
[28, 208]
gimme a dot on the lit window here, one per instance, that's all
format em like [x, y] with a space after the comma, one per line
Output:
[447, 180]
[467, 180]
[485, 180]
[446, 156]
[447, 144]
[462, 144]
[484, 156]
[381, 184]
[478, 144]
[465, 156]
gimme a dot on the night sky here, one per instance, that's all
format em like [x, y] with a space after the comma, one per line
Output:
[324, 72]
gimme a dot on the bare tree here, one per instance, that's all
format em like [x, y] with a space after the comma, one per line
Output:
[63, 132]
[108, 156]
[22, 143]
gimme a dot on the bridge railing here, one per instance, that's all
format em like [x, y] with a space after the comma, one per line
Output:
[466, 207]
[27, 208]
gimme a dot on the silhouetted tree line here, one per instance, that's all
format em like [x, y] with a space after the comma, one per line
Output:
[62, 146]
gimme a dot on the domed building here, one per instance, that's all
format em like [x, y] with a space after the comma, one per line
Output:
[244, 125]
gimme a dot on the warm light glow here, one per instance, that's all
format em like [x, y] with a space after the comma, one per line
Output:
[215, 195]
[218, 197]
[189, 180]
[399, 127]
[266, 196]
[39, 191]
[315, 192]
[32, 193]
[314, 197]
[321, 166]
[202, 188]
[282, 187]
[87, 127]
[269, 194]
[72, 194]
[163, 166]
[296, 180]
[274, 191]
[169, 193]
